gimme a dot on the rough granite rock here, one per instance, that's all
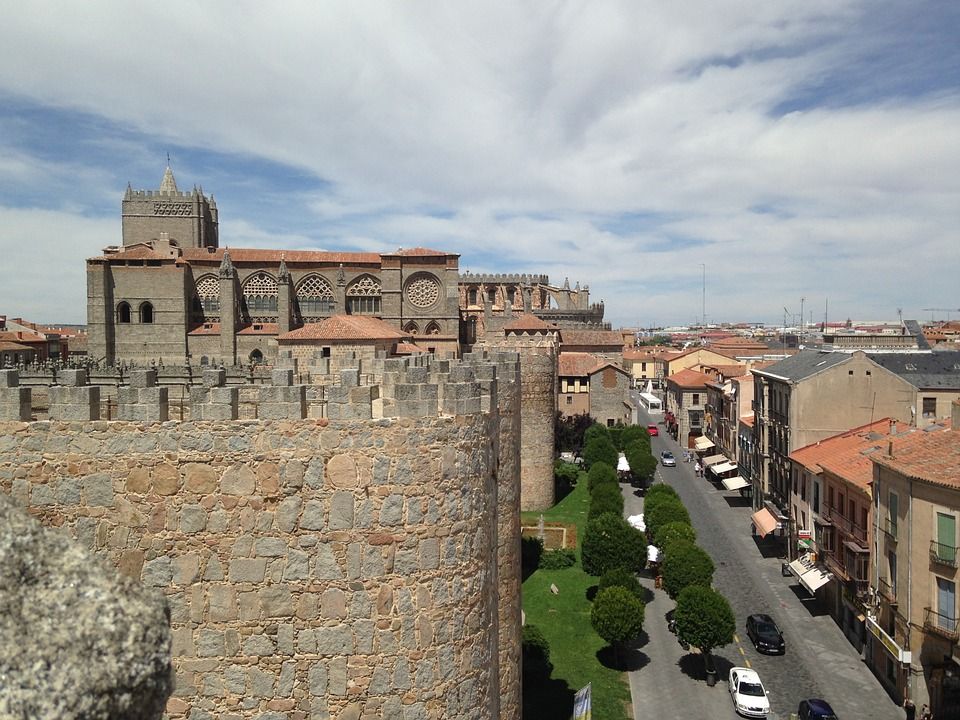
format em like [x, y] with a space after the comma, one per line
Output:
[77, 640]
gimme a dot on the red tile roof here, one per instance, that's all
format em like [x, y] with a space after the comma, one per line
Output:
[929, 455]
[689, 379]
[408, 348]
[529, 321]
[848, 454]
[344, 327]
[421, 252]
[14, 347]
[581, 364]
[604, 338]
[251, 255]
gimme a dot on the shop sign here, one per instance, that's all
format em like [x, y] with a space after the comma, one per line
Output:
[904, 656]
[805, 534]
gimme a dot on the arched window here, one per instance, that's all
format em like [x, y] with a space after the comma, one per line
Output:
[411, 328]
[146, 313]
[256, 357]
[123, 312]
[315, 297]
[363, 296]
[512, 295]
[492, 295]
[472, 296]
[260, 296]
[208, 299]
[432, 329]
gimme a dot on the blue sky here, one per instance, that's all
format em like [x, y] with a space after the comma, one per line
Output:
[793, 149]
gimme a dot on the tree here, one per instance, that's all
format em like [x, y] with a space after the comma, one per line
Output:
[642, 463]
[656, 491]
[617, 616]
[536, 655]
[684, 564]
[674, 531]
[605, 498]
[609, 542]
[600, 472]
[704, 618]
[621, 577]
[597, 430]
[568, 431]
[634, 433]
[599, 449]
[663, 512]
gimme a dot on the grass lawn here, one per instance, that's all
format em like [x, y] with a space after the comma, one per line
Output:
[564, 619]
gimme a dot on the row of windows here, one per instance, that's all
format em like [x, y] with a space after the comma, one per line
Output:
[144, 313]
[311, 287]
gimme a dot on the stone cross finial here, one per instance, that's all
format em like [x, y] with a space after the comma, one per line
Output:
[226, 265]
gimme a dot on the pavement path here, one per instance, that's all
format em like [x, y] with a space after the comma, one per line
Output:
[669, 683]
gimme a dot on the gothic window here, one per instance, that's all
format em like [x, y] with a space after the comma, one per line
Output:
[411, 328]
[432, 329]
[123, 313]
[512, 295]
[208, 298]
[492, 295]
[315, 297]
[423, 290]
[260, 296]
[472, 296]
[363, 296]
[146, 313]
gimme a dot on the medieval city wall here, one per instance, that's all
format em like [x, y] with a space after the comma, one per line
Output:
[314, 569]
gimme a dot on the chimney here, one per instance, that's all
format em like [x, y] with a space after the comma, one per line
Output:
[890, 448]
[893, 426]
[955, 415]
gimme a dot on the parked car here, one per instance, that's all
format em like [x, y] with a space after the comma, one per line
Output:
[815, 709]
[765, 635]
[667, 459]
[653, 430]
[746, 691]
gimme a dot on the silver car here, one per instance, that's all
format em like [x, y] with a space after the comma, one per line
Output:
[667, 459]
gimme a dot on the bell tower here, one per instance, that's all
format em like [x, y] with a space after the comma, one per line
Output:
[188, 218]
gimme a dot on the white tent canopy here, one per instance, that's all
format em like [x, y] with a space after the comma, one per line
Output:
[723, 467]
[622, 464]
[703, 443]
[734, 483]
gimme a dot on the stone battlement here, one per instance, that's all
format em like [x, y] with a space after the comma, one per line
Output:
[501, 278]
[189, 195]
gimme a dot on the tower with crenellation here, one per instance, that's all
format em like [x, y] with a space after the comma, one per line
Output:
[189, 218]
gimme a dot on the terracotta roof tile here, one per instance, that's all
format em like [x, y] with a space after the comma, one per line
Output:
[252, 255]
[689, 379]
[931, 455]
[14, 347]
[344, 327]
[408, 348]
[848, 454]
[581, 364]
[421, 252]
[605, 338]
[529, 321]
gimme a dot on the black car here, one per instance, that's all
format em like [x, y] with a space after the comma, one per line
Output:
[815, 709]
[765, 635]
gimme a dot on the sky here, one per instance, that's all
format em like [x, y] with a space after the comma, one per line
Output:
[681, 159]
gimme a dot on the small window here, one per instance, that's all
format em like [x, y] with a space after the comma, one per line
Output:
[146, 313]
[123, 313]
[610, 422]
[869, 373]
[929, 407]
[569, 399]
[849, 372]
[325, 352]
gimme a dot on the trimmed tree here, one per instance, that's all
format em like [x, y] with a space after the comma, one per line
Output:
[601, 472]
[655, 493]
[609, 542]
[633, 433]
[621, 577]
[644, 465]
[605, 498]
[599, 449]
[671, 532]
[617, 616]
[684, 564]
[664, 512]
[536, 655]
[704, 619]
[597, 430]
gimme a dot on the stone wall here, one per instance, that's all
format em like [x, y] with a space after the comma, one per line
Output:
[314, 569]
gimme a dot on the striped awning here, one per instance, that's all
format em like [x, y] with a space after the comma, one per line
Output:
[703, 443]
[734, 483]
[714, 459]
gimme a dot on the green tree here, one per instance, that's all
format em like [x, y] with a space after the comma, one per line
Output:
[600, 473]
[609, 542]
[568, 431]
[674, 531]
[605, 498]
[599, 449]
[565, 476]
[656, 492]
[632, 434]
[617, 616]
[642, 463]
[621, 577]
[597, 430]
[663, 512]
[684, 564]
[704, 618]
[536, 655]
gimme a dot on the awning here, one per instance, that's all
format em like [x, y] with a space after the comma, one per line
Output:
[764, 521]
[814, 579]
[734, 483]
[703, 443]
[805, 543]
[714, 459]
[799, 567]
[622, 464]
[723, 467]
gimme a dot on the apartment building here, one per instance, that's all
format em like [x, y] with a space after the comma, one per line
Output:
[686, 397]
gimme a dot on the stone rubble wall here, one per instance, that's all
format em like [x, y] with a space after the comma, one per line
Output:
[363, 566]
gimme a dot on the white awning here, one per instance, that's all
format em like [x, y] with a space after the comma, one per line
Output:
[637, 522]
[798, 567]
[703, 443]
[723, 467]
[734, 483]
[814, 579]
[622, 464]
[714, 459]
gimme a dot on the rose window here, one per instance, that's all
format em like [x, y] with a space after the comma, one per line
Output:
[423, 291]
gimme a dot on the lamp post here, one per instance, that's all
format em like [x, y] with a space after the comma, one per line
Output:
[703, 300]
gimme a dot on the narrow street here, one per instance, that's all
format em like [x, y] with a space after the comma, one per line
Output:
[819, 662]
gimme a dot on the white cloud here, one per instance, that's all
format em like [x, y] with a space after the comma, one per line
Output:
[534, 127]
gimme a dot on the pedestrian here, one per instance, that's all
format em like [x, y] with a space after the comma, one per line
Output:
[698, 470]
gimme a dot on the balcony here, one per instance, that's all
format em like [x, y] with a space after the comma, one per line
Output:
[889, 527]
[887, 591]
[940, 624]
[943, 554]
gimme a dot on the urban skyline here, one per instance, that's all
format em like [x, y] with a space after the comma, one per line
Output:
[807, 150]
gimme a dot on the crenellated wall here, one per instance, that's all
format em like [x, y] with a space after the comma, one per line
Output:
[337, 568]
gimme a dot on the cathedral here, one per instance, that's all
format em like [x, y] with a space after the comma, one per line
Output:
[171, 294]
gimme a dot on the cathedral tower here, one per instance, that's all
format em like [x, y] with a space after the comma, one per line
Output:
[187, 218]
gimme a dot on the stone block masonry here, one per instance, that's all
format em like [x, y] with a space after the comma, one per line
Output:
[142, 400]
[313, 570]
[14, 400]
